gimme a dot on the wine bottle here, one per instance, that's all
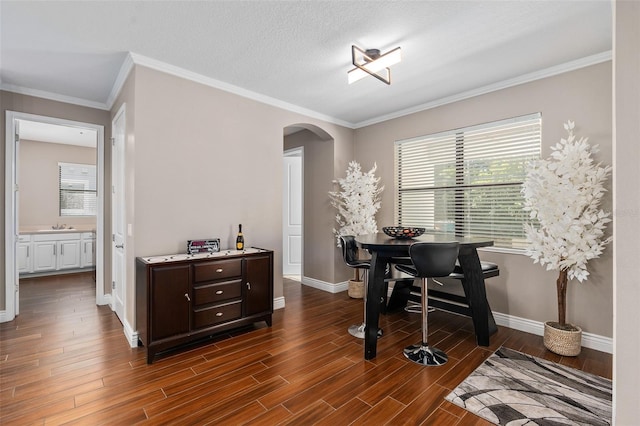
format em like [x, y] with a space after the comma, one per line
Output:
[240, 239]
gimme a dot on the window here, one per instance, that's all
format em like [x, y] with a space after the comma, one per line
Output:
[78, 195]
[468, 181]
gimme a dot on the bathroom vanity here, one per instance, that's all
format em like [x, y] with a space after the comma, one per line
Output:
[43, 251]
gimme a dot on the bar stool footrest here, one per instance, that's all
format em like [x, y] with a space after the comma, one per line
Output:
[425, 355]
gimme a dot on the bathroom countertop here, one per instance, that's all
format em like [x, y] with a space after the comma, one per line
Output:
[49, 230]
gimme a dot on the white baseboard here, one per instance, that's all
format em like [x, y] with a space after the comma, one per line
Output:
[105, 300]
[325, 286]
[4, 317]
[132, 336]
[278, 303]
[589, 340]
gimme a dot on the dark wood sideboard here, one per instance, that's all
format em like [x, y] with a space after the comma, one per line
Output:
[184, 298]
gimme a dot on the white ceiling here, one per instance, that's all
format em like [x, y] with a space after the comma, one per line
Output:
[296, 54]
[54, 133]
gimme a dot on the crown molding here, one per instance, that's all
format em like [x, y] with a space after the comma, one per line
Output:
[53, 96]
[133, 59]
[217, 84]
[125, 69]
[526, 78]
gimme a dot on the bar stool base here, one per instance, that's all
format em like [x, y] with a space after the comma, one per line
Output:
[425, 355]
[357, 330]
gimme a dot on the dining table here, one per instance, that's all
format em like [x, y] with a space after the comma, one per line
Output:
[384, 248]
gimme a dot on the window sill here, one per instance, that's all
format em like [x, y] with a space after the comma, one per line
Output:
[503, 250]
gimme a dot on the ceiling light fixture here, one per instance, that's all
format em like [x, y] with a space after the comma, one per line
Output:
[371, 62]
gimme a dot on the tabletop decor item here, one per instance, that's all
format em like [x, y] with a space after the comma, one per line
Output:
[205, 245]
[357, 203]
[403, 231]
[562, 195]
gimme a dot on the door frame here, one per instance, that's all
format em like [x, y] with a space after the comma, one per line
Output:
[11, 220]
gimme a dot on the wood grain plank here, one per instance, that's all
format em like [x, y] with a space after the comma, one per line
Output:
[65, 360]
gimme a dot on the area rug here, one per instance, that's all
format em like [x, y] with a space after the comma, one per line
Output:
[511, 388]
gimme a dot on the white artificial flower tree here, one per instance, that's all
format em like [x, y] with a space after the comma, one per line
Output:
[357, 202]
[562, 195]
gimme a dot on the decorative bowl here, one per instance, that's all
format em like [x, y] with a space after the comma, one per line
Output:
[403, 232]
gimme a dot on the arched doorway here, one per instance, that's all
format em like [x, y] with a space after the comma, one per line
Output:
[317, 243]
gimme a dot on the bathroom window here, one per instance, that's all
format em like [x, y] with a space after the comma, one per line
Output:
[78, 194]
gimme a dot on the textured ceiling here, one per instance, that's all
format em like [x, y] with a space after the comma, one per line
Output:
[298, 52]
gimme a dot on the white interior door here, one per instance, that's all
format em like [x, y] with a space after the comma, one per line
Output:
[118, 226]
[292, 213]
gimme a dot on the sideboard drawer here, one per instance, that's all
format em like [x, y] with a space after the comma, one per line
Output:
[217, 270]
[213, 293]
[217, 314]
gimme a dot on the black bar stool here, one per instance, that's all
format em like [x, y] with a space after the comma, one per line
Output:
[430, 260]
[350, 256]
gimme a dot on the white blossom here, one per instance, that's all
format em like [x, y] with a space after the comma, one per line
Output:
[562, 195]
[357, 202]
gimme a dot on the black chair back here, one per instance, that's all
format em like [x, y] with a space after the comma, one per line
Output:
[434, 259]
[350, 252]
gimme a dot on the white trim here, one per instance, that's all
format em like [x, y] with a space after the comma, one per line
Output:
[589, 340]
[10, 231]
[325, 286]
[211, 82]
[526, 78]
[504, 250]
[278, 303]
[125, 69]
[136, 59]
[106, 300]
[53, 96]
[5, 317]
[132, 336]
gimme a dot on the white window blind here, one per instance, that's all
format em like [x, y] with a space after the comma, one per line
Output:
[467, 181]
[78, 195]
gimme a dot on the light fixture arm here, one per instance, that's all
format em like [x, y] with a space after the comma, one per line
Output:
[371, 62]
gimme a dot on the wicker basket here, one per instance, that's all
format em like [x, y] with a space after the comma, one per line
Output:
[356, 289]
[562, 342]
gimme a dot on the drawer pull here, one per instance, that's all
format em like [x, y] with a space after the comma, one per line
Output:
[219, 270]
[219, 314]
[248, 286]
[219, 292]
[186, 296]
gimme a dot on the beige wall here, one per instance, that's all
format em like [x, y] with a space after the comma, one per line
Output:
[28, 104]
[626, 192]
[522, 289]
[199, 162]
[39, 195]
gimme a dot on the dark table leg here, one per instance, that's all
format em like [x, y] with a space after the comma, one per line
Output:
[475, 290]
[374, 302]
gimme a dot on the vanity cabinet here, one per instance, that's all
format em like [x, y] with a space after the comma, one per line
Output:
[185, 298]
[87, 249]
[68, 252]
[57, 251]
[25, 254]
[44, 254]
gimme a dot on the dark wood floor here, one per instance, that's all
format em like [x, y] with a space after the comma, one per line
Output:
[66, 360]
